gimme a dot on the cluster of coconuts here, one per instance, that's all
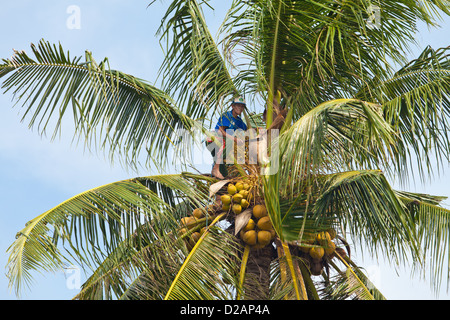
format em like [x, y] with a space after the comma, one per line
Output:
[238, 197]
[190, 224]
[318, 247]
[259, 231]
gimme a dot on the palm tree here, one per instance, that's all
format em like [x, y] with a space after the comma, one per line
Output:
[349, 119]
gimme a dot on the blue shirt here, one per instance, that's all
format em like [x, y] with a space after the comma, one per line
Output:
[232, 123]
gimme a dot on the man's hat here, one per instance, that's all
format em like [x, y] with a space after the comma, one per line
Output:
[240, 100]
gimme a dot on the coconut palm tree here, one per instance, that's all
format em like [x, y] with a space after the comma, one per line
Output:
[349, 111]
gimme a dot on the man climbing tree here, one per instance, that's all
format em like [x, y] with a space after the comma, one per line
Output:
[226, 128]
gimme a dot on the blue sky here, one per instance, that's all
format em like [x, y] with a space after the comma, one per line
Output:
[37, 174]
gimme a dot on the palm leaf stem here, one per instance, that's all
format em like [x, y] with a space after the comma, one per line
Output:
[180, 272]
[362, 285]
[242, 271]
[290, 263]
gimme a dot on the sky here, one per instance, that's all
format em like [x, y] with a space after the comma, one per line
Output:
[36, 174]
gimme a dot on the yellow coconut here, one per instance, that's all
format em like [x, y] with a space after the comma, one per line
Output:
[244, 193]
[239, 186]
[244, 204]
[193, 239]
[226, 208]
[198, 213]
[195, 236]
[187, 221]
[250, 225]
[231, 189]
[250, 237]
[316, 252]
[182, 231]
[330, 247]
[264, 237]
[236, 208]
[237, 198]
[264, 223]
[259, 211]
[332, 233]
[226, 199]
[246, 186]
[323, 237]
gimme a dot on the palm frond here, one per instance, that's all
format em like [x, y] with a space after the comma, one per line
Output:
[365, 203]
[323, 50]
[433, 225]
[353, 127]
[416, 103]
[96, 222]
[132, 115]
[206, 269]
[142, 270]
[194, 69]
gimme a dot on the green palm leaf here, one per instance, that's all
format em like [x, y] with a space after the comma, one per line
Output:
[433, 221]
[416, 103]
[194, 69]
[210, 265]
[353, 127]
[97, 222]
[315, 51]
[132, 114]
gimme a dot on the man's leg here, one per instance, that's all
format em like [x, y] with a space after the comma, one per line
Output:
[216, 168]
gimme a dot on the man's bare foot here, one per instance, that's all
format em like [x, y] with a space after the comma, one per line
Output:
[216, 173]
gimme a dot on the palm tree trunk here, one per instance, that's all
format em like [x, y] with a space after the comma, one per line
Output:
[256, 285]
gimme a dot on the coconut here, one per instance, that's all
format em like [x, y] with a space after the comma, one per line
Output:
[330, 247]
[187, 221]
[244, 193]
[316, 252]
[182, 231]
[264, 237]
[226, 207]
[231, 189]
[250, 225]
[264, 223]
[323, 237]
[332, 233]
[226, 199]
[244, 204]
[239, 186]
[316, 268]
[237, 198]
[236, 208]
[195, 236]
[259, 211]
[249, 237]
[198, 213]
